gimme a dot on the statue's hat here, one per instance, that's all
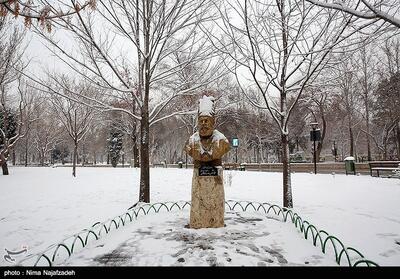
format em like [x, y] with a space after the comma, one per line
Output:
[206, 106]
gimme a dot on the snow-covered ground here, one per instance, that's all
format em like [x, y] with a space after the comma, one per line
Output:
[42, 206]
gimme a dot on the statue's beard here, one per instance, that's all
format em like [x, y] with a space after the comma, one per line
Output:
[205, 137]
[205, 132]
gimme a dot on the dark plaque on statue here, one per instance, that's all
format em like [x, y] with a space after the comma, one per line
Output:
[208, 171]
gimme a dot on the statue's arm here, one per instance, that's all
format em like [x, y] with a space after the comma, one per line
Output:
[193, 150]
[220, 149]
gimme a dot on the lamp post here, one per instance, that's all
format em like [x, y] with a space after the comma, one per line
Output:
[315, 135]
[235, 144]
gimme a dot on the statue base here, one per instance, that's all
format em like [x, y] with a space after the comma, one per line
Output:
[208, 200]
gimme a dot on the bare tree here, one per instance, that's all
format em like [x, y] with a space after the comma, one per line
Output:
[42, 10]
[392, 53]
[74, 116]
[11, 133]
[11, 53]
[279, 47]
[46, 131]
[160, 37]
[387, 10]
[346, 77]
[391, 61]
[367, 80]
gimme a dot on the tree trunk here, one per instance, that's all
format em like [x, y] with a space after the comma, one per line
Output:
[351, 140]
[398, 140]
[75, 159]
[323, 134]
[367, 127]
[41, 158]
[144, 79]
[144, 195]
[13, 157]
[287, 187]
[82, 158]
[136, 162]
[385, 151]
[4, 166]
[318, 151]
[26, 155]
[278, 153]
[83, 154]
[355, 152]
[135, 152]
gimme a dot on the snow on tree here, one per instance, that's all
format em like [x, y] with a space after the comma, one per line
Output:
[386, 10]
[42, 10]
[60, 153]
[115, 145]
[278, 48]
[11, 132]
[76, 118]
[8, 124]
[163, 40]
[386, 113]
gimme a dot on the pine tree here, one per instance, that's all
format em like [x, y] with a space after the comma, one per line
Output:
[115, 145]
[60, 153]
[9, 125]
[387, 113]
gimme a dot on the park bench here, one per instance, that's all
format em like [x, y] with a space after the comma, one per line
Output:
[159, 165]
[233, 166]
[383, 166]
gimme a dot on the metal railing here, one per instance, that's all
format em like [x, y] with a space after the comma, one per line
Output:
[343, 255]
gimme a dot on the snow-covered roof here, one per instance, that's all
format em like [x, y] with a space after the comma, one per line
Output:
[206, 106]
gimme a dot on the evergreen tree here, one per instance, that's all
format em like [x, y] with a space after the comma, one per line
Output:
[387, 113]
[8, 135]
[388, 99]
[60, 153]
[7, 125]
[115, 145]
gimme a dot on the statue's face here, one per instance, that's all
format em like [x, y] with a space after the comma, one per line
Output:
[206, 126]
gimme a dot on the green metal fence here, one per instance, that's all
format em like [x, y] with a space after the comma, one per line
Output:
[344, 255]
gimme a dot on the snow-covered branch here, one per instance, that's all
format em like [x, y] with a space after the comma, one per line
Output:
[370, 11]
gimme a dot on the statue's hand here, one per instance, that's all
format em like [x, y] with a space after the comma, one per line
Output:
[194, 151]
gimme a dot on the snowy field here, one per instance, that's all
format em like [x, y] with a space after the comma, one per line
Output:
[42, 206]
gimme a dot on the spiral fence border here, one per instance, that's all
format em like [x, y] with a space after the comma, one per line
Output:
[343, 255]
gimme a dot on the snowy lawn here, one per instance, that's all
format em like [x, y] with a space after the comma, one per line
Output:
[249, 239]
[42, 206]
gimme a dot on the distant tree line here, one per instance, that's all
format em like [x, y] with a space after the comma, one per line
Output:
[279, 67]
